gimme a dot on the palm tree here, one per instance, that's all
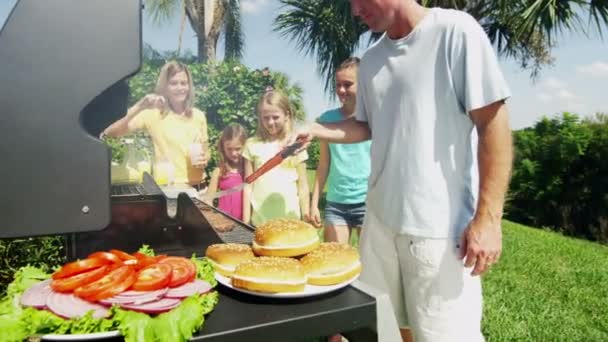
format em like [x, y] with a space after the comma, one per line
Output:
[208, 19]
[523, 30]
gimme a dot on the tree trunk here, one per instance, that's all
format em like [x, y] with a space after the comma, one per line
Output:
[207, 37]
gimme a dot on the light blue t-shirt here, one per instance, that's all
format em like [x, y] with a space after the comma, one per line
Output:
[416, 93]
[349, 167]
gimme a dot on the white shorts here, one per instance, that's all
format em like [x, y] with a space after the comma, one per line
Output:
[430, 289]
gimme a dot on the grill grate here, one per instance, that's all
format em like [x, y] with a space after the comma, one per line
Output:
[127, 190]
[238, 233]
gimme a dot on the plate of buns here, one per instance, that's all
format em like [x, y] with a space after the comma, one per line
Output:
[286, 260]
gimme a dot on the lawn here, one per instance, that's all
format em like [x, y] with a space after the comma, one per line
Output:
[547, 287]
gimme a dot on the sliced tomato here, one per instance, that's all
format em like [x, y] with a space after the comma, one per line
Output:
[146, 260]
[70, 283]
[106, 256]
[183, 271]
[122, 255]
[153, 277]
[118, 288]
[79, 266]
[109, 285]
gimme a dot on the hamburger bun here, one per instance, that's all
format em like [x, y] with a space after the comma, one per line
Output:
[332, 263]
[285, 238]
[270, 274]
[226, 256]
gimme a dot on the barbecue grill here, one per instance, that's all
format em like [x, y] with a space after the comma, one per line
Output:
[64, 66]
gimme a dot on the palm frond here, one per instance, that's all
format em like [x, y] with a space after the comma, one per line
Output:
[162, 10]
[598, 14]
[234, 40]
[323, 29]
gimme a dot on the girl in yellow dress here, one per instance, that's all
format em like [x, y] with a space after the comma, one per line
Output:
[282, 191]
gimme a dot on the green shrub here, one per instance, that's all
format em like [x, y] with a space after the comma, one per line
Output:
[559, 176]
[43, 252]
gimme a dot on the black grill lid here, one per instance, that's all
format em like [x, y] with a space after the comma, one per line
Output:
[63, 65]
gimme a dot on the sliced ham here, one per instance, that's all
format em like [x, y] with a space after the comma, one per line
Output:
[135, 297]
[70, 306]
[189, 289]
[36, 295]
[161, 305]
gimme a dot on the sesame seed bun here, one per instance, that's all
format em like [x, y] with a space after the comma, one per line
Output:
[225, 257]
[270, 274]
[285, 238]
[331, 263]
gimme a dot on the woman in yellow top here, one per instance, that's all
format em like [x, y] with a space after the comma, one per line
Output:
[283, 191]
[175, 126]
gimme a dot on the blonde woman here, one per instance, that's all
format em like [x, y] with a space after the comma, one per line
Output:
[174, 125]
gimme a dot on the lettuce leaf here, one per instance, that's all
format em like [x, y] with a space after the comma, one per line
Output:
[134, 326]
[204, 270]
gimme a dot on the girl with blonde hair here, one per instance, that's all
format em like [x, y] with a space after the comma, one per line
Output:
[283, 191]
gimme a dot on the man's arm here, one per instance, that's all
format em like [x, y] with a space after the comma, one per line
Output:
[344, 132]
[482, 240]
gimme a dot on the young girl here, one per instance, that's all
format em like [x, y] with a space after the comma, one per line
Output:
[173, 123]
[283, 191]
[230, 171]
[345, 167]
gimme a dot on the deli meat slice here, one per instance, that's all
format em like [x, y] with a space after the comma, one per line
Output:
[135, 297]
[36, 295]
[70, 306]
[161, 305]
[189, 289]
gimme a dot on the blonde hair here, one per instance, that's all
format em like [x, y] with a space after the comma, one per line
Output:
[280, 100]
[230, 132]
[166, 72]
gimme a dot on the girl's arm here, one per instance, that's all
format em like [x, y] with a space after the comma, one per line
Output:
[204, 137]
[121, 127]
[247, 193]
[213, 183]
[303, 191]
[320, 178]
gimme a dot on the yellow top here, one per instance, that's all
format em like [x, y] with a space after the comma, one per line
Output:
[274, 194]
[172, 134]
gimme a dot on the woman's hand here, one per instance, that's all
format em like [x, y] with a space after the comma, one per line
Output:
[151, 101]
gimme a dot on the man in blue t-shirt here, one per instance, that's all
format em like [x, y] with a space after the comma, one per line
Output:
[431, 97]
[345, 167]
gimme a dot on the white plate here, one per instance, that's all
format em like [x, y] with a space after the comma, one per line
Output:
[81, 337]
[309, 290]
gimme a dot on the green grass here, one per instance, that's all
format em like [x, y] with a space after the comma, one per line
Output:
[546, 287]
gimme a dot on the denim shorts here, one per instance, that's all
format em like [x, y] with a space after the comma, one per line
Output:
[339, 214]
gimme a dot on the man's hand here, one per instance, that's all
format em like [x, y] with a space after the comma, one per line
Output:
[481, 245]
[303, 134]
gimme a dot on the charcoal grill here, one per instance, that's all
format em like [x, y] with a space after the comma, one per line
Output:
[63, 79]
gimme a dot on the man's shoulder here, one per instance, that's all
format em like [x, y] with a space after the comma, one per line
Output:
[456, 21]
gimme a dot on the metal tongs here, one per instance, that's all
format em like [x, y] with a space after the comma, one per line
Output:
[267, 166]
